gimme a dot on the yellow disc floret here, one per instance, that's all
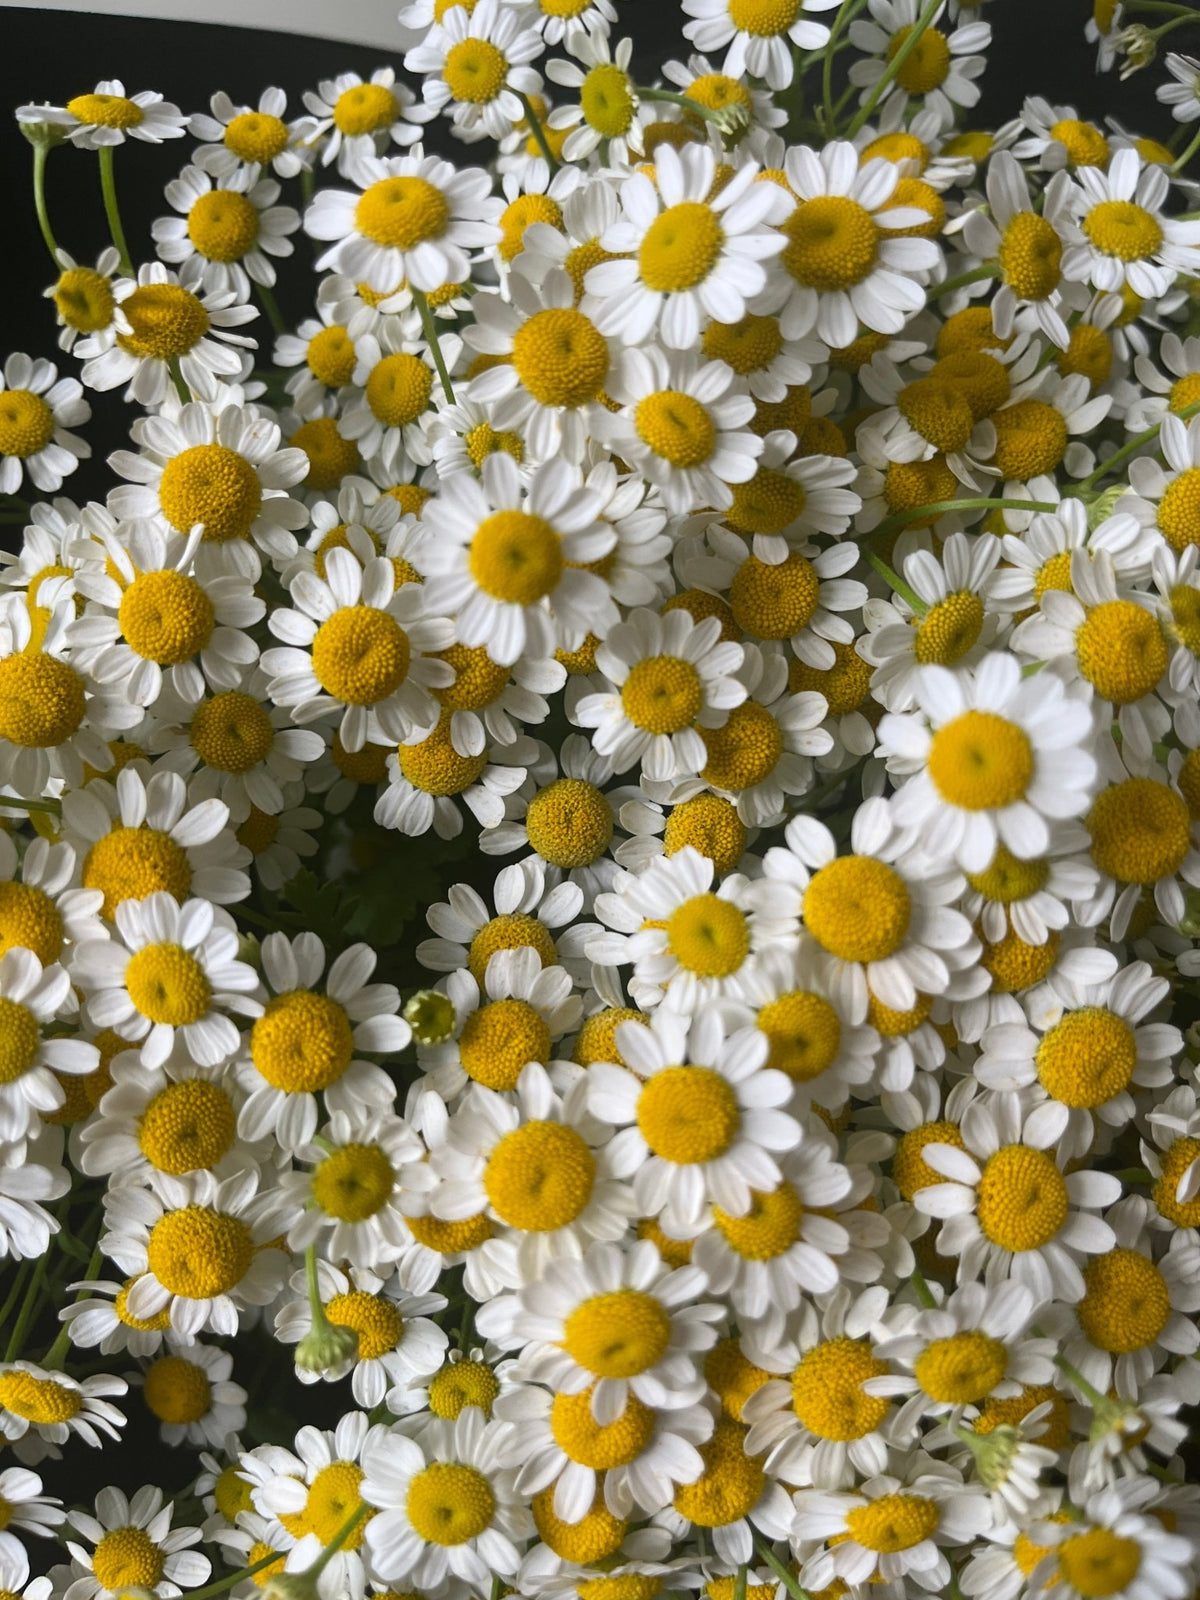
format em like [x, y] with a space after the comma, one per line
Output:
[981, 762]
[680, 247]
[832, 243]
[168, 985]
[1126, 1303]
[375, 1320]
[1022, 1199]
[1141, 831]
[560, 357]
[223, 225]
[688, 1114]
[662, 694]
[892, 1523]
[214, 486]
[1121, 651]
[600, 1445]
[516, 557]
[961, 1369]
[188, 1126]
[360, 655]
[827, 1390]
[708, 936]
[540, 1177]
[449, 1503]
[42, 701]
[20, 1040]
[166, 617]
[461, 1384]
[232, 732]
[730, 1485]
[197, 1253]
[165, 321]
[499, 1039]
[353, 1182]
[177, 1391]
[619, 1334]
[1087, 1058]
[1099, 1563]
[127, 1558]
[569, 823]
[676, 427]
[858, 908]
[302, 1042]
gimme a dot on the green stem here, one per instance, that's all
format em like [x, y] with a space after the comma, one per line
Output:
[233, 1579]
[108, 188]
[901, 519]
[54, 807]
[897, 583]
[990, 269]
[1188, 153]
[55, 1356]
[274, 315]
[40, 152]
[28, 1307]
[177, 378]
[361, 1511]
[670, 97]
[1126, 450]
[739, 1583]
[921, 1289]
[781, 1572]
[1089, 1391]
[14, 1294]
[539, 133]
[929, 11]
[429, 327]
[844, 14]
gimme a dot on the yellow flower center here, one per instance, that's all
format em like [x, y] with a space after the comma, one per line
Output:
[1022, 1198]
[449, 1503]
[1099, 1563]
[84, 299]
[1176, 1161]
[961, 1369]
[617, 1335]
[710, 825]
[540, 1177]
[769, 1228]
[515, 931]
[1087, 1058]
[606, 97]
[927, 63]
[680, 247]
[1008, 879]
[894, 1024]
[1085, 144]
[232, 1495]
[600, 1445]
[832, 243]
[214, 486]
[596, 1537]
[662, 694]
[569, 823]
[106, 111]
[354, 1182]
[478, 681]
[29, 918]
[676, 427]
[892, 1523]
[255, 136]
[731, 1376]
[451, 1238]
[1179, 510]
[223, 225]
[187, 1126]
[768, 503]
[482, 440]
[398, 389]
[475, 71]
[981, 762]
[516, 557]
[937, 410]
[302, 1042]
[168, 985]
[1120, 228]
[982, 379]
[360, 655]
[1121, 651]
[41, 1401]
[827, 1392]
[747, 346]
[731, 1484]
[125, 1558]
[461, 1384]
[1126, 1303]
[908, 485]
[374, 1319]
[560, 357]
[435, 766]
[524, 211]
[1031, 439]
[1185, 392]
[1185, 616]
[708, 936]
[131, 863]
[845, 685]
[333, 1497]
[166, 617]
[499, 1039]
[1090, 352]
[950, 629]
[401, 213]
[745, 751]
[688, 1115]
[597, 1036]
[20, 1040]
[165, 321]
[1015, 965]
[231, 732]
[858, 908]
[42, 701]
[765, 18]
[330, 456]
[910, 1171]
[198, 1253]
[177, 1391]
[330, 357]
[804, 1032]
[365, 108]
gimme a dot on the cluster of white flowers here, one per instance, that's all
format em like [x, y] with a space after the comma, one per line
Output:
[750, 529]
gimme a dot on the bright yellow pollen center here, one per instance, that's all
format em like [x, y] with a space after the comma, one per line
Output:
[937, 410]
[768, 503]
[832, 243]
[214, 486]
[1126, 1304]
[892, 1523]
[516, 557]
[20, 1040]
[524, 211]
[688, 1115]
[750, 345]
[435, 766]
[804, 1032]
[398, 389]
[981, 762]
[330, 357]
[1179, 510]
[449, 1503]
[1175, 1163]
[540, 1177]
[1031, 256]
[475, 71]
[1085, 144]
[1099, 1563]
[926, 65]
[401, 213]
[1121, 651]
[353, 1182]
[763, 18]
[125, 1558]
[188, 1126]
[569, 823]
[745, 751]
[910, 1170]
[330, 456]
[360, 655]
[42, 701]
[256, 136]
[1087, 1058]
[617, 1335]
[1022, 1198]
[708, 936]
[1120, 228]
[676, 427]
[515, 931]
[165, 320]
[478, 681]
[1009, 879]
[827, 1393]
[29, 918]
[231, 732]
[26, 423]
[500, 1039]
[166, 617]
[680, 247]
[365, 108]
[177, 1391]
[374, 1319]
[302, 1042]
[223, 225]
[41, 1401]
[560, 357]
[606, 98]
[1185, 616]
[731, 1483]
[1031, 439]
[198, 1253]
[770, 1227]
[461, 1384]
[168, 985]
[950, 629]
[711, 825]
[662, 694]
[451, 1238]
[131, 863]
[106, 110]
[84, 299]
[600, 1446]
[962, 1369]
[232, 1494]
[858, 908]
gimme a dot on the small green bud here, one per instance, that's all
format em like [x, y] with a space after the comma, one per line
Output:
[430, 1015]
[326, 1347]
[44, 133]
[1102, 507]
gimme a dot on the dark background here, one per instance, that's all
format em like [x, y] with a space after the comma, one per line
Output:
[1038, 48]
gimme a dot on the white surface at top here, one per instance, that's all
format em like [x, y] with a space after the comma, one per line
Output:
[369, 22]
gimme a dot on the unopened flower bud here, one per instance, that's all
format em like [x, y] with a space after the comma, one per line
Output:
[430, 1015]
[48, 134]
[326, 1347]
[1139, 47]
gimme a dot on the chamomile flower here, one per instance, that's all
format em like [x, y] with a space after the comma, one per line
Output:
[941, 69]
[609, 109]
[1040, 556]
[133, 1545]
[37, 411]
[427, 776]
[1183, 96]
[227, 230]
[173, 1119]
[54, 1406]
[107, 115]
[1124, 238]
[86, 300]
[191, 1393]
[26, 1226]
[31, 999]
[353, 119]
[476, 67]
[99, 1316]
[761, 39]
[1118, 1543]
[236, 136]
[700, 1116]
[529, 911]
[1031, 898]
[27, 1510]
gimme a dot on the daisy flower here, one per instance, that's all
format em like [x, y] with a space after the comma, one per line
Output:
[86, 300]
[41, 908]
[227, 229]
[1183, 96]
[414, 221]
[133, 1543]
[1009, 1210]
[992, 759]
[732, 1499]
[164, 323]
[1055, 137]
[32, 998]
[222, 469]
[941, 69]
[427, 776]
[476, 68]
[1040, 556]
[880, 917]
[608, 108]
[37, 410]
[529, 911]
[306, 1040]
[1031, 898]
[445, 1506]
[247, 136]
[761, 40]
[397, 1342]
[169, 967]
[682, 425]
[29, 1174]
[55, 1406]
[1120, 1544]
[615, 1324]
[98, 1317]
[107, 115]
[354, 119]
[190, 1392]
[1029, 245]
[507, 559]
[1123, 236]
[201, 1249]
[700, 1117]
[840, 267]
[691, 260]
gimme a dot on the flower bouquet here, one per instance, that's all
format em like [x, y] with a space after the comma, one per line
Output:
[599, 853]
